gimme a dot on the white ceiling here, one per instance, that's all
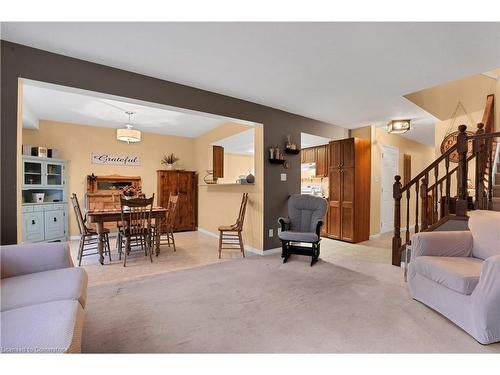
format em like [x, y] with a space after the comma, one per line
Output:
[422, 131]
[241, 143]
[348, 74]
[43, 101]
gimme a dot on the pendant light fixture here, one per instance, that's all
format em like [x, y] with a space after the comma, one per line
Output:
[129, 134]
[398, 126]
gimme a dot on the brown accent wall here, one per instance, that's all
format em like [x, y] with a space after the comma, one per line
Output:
[19, 61]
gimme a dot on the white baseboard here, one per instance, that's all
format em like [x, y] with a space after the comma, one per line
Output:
[374, 236]
[77, 237]
[247, 247]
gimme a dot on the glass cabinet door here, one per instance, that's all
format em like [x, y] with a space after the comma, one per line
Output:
[54, 173]
[32, 173]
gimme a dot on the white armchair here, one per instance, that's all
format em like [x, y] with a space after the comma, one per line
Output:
[458, 275]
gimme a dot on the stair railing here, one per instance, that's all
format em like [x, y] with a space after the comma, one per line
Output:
[431, 195]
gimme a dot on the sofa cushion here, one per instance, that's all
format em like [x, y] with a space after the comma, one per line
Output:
[460, 274]
[52, 327]
[485, 228]
[298, 236]
[40, 287]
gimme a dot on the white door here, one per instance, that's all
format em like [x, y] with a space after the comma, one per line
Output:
[389, 167]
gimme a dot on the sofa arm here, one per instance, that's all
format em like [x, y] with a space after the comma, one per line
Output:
[23, 259]
[486, 301]
[443, 244]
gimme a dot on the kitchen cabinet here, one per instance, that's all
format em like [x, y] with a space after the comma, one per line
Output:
[317, 155]
[322, 161]
[349, 184]
[308, 155]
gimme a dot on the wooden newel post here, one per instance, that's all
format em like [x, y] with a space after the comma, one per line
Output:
[396, 239]
[462, 171]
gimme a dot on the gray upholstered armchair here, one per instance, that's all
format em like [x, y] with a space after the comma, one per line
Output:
[303, 225]
[458, 274]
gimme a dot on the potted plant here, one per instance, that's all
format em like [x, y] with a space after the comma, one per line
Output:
[169, 161]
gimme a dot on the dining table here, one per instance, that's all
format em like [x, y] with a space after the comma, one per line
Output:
[101, 216]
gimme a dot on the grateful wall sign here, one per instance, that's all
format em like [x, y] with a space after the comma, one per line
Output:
[115, 159]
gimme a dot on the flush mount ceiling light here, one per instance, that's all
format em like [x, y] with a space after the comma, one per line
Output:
[398, 126]
[128, 134]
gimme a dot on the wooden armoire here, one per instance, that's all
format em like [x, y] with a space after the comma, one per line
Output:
[185, 184]
[349, 199]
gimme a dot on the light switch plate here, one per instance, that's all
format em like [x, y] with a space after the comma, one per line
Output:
[271, 232]
[279, 230]
[283, 177]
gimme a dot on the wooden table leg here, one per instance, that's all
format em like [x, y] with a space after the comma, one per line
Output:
[157, 234]
[100, 241]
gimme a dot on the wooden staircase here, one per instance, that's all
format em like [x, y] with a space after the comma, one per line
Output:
[427, 197]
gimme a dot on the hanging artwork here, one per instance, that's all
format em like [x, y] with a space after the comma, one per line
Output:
[114, 159]
[450, 139]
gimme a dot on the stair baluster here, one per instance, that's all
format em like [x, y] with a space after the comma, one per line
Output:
[407, 237]
[461, 205]
[417, 186]
[425, 202]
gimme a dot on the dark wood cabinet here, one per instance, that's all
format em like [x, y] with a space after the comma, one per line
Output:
[349, 183]
[322, 161]
[218, 161]
[318, 155]
[309, 155]
[183, 183]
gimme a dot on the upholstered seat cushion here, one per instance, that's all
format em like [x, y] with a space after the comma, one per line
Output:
[460, 274]
[298, 236]
[41, 287]
[52, 327]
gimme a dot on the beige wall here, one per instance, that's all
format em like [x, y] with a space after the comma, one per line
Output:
[219, 204]
[77, 142]
[236, 165]
[442, 101]
[421, 157]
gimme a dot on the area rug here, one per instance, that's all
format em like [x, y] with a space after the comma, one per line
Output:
[259, 305]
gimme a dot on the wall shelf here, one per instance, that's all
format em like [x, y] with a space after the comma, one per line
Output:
[292, 151]
[277, 161]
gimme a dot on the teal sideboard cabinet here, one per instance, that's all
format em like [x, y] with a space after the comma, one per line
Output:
[44, 195]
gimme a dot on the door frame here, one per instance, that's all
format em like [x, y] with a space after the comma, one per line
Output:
[392, 148]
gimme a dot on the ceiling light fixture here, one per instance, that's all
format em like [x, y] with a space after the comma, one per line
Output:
[398, 126]
[128, 134]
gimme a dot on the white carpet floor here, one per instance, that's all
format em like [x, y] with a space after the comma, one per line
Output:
[259, 305]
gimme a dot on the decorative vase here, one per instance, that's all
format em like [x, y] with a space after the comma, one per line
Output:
[170, 167]
[250, 178]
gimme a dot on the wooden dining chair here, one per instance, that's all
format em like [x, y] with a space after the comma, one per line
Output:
[230, 236]
[167, 225]
[88, 237]
[136, 225]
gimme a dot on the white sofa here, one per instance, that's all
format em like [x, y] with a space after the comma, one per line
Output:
[42, 299]
[458, 274]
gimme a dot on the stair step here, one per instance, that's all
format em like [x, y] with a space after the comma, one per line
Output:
[495, 204]
[496, 190]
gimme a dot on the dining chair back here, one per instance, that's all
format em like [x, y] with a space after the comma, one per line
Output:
[88, 237]
[136, 222]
